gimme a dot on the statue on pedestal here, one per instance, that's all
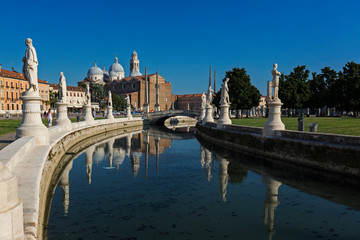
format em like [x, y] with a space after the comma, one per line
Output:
[127, 101]
[275, 81]
[62, 88]
[209, 97]
[225, 100]
[30, 66]
[87, 94]
[110, 99]
[203, 100]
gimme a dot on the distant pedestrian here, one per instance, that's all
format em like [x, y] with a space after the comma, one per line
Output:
[49, 117]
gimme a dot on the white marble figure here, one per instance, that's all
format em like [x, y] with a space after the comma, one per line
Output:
[62, 88]
[30, 66]
[110, 99]
[275, 81]
[87, 94]
[203, 100]
[209, 97]
[225, 93]
[127, 101]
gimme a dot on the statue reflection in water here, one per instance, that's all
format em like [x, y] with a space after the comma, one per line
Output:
[270, 203]
[89, 152]
[65, 186]
[223, 176]
[207, 164]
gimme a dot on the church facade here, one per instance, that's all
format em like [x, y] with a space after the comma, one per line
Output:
[133, 85]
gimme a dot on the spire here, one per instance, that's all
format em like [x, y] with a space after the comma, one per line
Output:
[95, 64]
[214, 81]
[210, 77]
[116, 59]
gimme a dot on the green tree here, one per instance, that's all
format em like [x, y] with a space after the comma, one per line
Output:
[119, 102]
[294, 89]
[348, 88]
[98, 94]
[243, 95]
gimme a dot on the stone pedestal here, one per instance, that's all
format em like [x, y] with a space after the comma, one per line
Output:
[32, 124]
[209, 115]
[202, 115]
[109, 114]
[224, 116]
[274, 122]
[88, 114]
[157, 108]
[11, 207]
[62, 118]
[128, 113]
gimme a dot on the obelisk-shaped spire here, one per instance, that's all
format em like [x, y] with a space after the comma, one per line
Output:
[157, 105]
[210, 76]
[215, 81]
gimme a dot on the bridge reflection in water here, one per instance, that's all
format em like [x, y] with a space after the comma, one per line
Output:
[244, 185]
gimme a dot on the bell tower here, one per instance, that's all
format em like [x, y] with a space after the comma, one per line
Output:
[134, 63]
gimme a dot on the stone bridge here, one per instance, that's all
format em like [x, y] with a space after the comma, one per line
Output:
[160, 117]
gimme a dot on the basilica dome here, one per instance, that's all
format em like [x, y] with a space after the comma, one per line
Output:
[95, 70]
[116, 67]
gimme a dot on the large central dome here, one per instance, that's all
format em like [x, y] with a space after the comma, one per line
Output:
[116, 67]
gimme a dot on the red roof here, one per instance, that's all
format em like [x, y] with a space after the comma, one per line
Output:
[69, 88]
[16, 75]
[189, 95]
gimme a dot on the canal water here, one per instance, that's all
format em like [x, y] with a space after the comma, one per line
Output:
[154, 184]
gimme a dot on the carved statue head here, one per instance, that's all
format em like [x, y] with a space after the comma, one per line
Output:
[275, 66]
[28, 41]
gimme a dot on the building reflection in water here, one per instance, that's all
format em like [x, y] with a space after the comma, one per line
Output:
[65, 186]
[110, 151]
[270, 203]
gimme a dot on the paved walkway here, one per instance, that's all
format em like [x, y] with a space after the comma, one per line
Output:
[6, 139]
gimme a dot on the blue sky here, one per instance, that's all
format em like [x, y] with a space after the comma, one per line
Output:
[181, 39]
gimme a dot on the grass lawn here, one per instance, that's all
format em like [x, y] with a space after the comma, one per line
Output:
[10, 125]
[336, 125]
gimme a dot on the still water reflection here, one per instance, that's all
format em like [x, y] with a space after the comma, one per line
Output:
[159, 185]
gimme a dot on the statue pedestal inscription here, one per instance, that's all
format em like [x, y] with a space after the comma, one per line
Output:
[88, 114]
[224, 116]
[274, 122]
[62, 118]
[109, 114]
[31, 124]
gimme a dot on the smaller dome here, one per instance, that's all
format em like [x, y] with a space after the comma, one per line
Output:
[112, 74]
[95, 70]
[135, 73]
[134, 54]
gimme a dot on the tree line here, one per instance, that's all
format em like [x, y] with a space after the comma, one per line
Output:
[340, 90]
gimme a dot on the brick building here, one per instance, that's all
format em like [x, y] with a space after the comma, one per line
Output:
[12, 85]
[193, 101]
[133, 85]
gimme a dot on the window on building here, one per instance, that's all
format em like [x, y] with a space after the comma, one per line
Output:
[133, 85]
[70, 94]
[1, 82]
[21, 85]
[124, 86]
[16, 85]
[7, 94]
[12, 97]
[8, 107]
[12, 107]
[17, 106]
[2, 93]
[7, 84]
[11, 84]
[17, 96]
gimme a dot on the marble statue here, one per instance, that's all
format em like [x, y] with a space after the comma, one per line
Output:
[127, 101]
[203, 100]
[275, 81]
[87, 94]
[62, 88]
[110, 99]
[30, 66]
[225, 93]
[210, 97]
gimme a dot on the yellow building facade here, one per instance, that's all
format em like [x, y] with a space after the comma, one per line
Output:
[12, 85]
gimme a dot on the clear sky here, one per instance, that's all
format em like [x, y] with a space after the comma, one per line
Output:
[181, 39]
